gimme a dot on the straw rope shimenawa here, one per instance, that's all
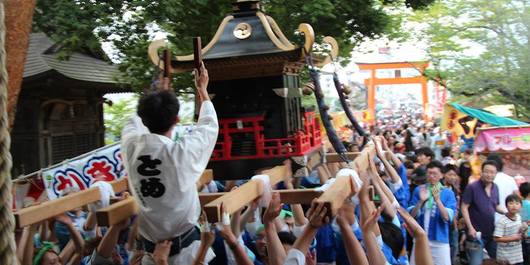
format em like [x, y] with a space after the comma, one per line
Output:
[7, 241]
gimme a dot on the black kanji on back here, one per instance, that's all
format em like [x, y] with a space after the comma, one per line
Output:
[148, 166]
[152, 187]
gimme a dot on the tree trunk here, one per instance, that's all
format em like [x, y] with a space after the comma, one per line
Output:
[18, 18]
[15, 25]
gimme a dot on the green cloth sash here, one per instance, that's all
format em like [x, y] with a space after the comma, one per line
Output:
[46, 246]
[430, 199]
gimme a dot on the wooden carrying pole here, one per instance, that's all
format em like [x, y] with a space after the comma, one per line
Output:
[334, 157]
[124, 209]
[333, 197]
[117, 212]
[341, 189]
[246, 193]
[48, 209]
[304, 196]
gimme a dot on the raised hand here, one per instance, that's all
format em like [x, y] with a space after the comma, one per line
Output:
[288, 175]
[378, 149]
[228, 235]
[207, 233]
[310, 258]
[201, 80]
[385, 144]
[63, 219]
[341, 218]
[424, 194]
[274, 208]
[372, 219]
[161, 253]
[436, 193]
[317, 215]
[372, 169]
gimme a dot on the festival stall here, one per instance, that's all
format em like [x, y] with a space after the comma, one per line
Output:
[464, 123]
[512, 143]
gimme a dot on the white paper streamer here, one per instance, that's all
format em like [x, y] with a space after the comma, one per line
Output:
[226, 219]
[205, 227]
[106, 192]
[356, 180]
[252, 227]
[298, 230]
[266, 196]
[326, 185]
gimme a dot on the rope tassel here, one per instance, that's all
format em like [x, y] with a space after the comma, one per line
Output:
[7, 224]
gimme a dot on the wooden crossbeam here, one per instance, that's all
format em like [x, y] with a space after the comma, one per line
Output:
[206, 198]
[341, 189]
[334, 157]
[123, 209]
[305, 196]
[48, 209]
[205, 178]
[120, 185]
[117, 212]
[243, 195]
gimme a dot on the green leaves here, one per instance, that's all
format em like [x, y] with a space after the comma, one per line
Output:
[129, 25]
[480, 48]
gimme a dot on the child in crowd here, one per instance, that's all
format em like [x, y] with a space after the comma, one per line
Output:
[524, 189]
[509, 233]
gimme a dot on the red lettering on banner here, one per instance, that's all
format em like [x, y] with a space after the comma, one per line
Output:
[63, 182]
[66, 181]
[101, 171]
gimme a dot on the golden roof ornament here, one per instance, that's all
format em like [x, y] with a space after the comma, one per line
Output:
[245, 38]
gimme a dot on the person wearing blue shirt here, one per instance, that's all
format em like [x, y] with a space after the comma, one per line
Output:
[434, 207]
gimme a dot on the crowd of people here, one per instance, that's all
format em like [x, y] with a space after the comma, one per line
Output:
[416, 203]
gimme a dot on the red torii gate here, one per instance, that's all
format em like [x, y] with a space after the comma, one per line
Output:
[372, 82]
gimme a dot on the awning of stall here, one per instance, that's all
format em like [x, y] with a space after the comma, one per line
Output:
[465, 120]
[512, 138]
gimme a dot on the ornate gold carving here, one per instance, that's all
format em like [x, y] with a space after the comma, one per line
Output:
[333, 54]
[152, 52]
[242, 31]
[272, 36]
[278, 32]
[309, 35]
[155, 45]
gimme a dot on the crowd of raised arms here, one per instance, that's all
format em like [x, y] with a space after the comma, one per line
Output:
[416, 203]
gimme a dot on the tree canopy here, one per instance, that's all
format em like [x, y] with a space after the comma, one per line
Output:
[129, 25]
[479, 49]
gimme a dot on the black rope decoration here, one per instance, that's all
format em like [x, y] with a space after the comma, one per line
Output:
[319, 95]
[347, 110]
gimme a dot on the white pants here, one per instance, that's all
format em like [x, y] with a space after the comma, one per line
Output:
[186, 256]
[441, 253]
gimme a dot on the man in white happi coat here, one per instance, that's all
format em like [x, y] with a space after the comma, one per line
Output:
[162, 172]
